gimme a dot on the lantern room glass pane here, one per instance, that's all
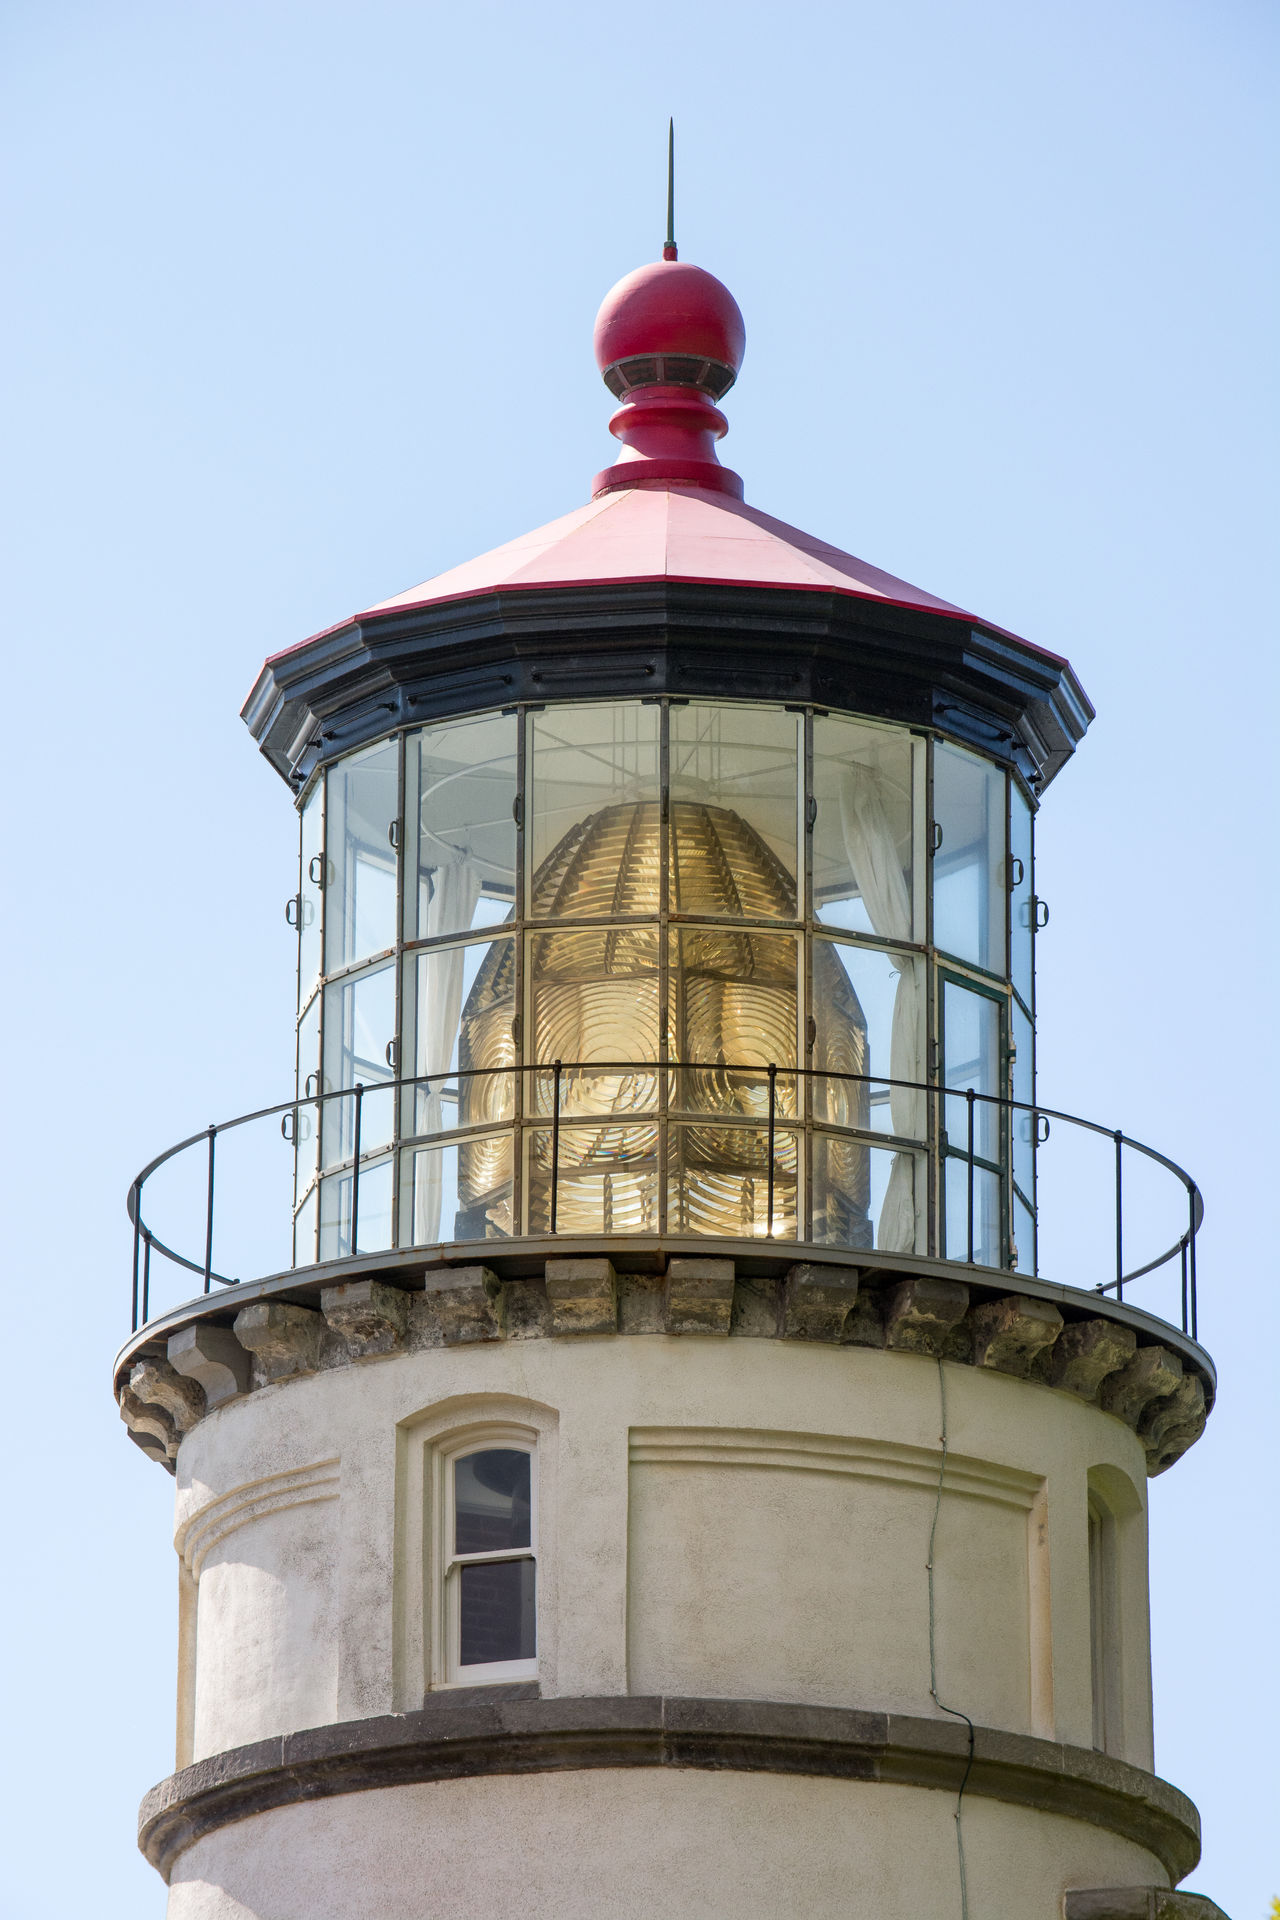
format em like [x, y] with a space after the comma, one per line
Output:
[969, 861]
[986, 1213]
[593, 993]
[868, 1009]
[1021, 896]
[359, 1026]
[605, 1177]
[1023, 1076]
[492, 1501]
[373, 1228]
[459, 1014]
[864, 1196]
[460, 829]
[361, 811]
[304, 1232]
[307, 1123]
[497, 1612]
[593, 832]
[864, 832]
[971, 1058]
[718, 1181]
[459, 1190]
[311, 892]
[732, 1003]
[735, 793]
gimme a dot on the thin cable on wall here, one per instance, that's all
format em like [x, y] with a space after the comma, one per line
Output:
[933, 1649]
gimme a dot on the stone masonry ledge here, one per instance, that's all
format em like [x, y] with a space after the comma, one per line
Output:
[1114, 1356]
[511, 1732]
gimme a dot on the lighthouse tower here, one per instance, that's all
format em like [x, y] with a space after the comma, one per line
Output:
[675, 1471]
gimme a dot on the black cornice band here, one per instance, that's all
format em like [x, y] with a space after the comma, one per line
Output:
[506, 1730]
[412, 665]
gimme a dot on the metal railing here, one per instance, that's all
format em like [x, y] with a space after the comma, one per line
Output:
[938, 1146]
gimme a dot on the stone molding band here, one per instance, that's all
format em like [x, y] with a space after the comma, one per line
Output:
[510, 1730]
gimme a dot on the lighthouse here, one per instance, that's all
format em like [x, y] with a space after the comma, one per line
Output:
[671, 1468]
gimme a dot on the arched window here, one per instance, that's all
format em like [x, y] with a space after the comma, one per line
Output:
[488, 1558]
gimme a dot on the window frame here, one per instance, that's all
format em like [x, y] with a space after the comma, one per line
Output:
[447, 1670]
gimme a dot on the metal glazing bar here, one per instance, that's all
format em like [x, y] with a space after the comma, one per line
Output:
[355, 1172]
[1119, 1140]
[773, 1114]
[555, 1145]
[208, 1225]
[969, 1100]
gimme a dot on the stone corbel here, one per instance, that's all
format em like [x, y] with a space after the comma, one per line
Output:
[582, 1296]
[214, 1358]
[370, 1317]
[284, 1340]
[460, 1305]
[699, 1296]
[1010, 1334]
[1086, 1353]
[1152, 1374]
[920, 1314]
[161, 1385]
[149, 1421]
[817, 1301]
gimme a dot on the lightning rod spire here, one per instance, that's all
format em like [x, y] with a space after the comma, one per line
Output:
[669, 248]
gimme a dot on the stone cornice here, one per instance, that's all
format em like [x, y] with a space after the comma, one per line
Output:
[504, 1731]
[1139, 1368]
[1155, 1379]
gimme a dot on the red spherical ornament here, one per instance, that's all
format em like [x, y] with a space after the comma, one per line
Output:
[670, 307]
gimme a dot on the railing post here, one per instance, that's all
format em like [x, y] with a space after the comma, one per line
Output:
[555, 1144]
[1195, 1330]
[969, 1096]
[208, 1222]
[137, 1239]
[773, 1114]
[355, 1173]
[1185, 1326]
[1119, 1140]
[146, 1276]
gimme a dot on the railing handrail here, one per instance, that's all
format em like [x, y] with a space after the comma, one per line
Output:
[146, 1239]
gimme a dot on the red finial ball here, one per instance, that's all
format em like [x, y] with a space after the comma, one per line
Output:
[670, 307]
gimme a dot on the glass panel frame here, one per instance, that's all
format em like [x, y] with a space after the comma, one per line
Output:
[969, 863]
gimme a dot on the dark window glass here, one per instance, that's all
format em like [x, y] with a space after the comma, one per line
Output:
[491, 1505]
[498, 1608]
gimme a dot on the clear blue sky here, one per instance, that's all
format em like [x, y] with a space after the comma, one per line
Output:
[298, 312]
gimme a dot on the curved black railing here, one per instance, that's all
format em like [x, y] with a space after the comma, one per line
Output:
[1182, 1248]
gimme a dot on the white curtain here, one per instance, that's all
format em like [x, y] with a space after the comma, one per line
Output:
[873, 857]
[456, 888]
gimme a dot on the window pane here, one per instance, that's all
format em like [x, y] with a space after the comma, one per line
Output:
[1021, 903]
[311, 890]
[733, 1003]
[735, 808]
[868, 1009]
[718, 1182]
[971, 1058]
[968, 866]
[492, 1501]
[458, 1191]
[373, 1233]
[460, 847]
[594, 790]
[360, 876]
[863, 852]
[497, 1612]
[459, 1009]
[594, 994]
[359, 1024]
[866, 1196]
[605, 1178]
[1024, 1237]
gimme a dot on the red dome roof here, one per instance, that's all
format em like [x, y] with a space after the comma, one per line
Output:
[672, 307]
